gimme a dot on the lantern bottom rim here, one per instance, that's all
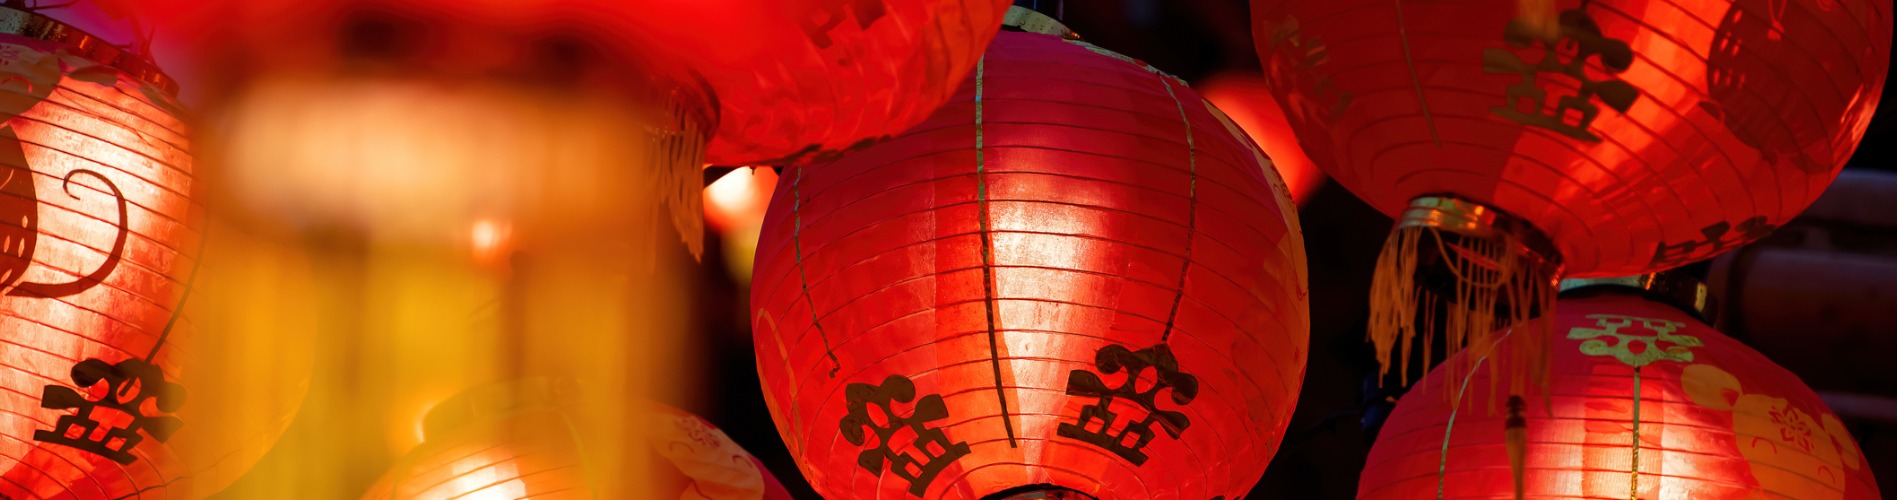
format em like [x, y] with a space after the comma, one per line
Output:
[1039, 492]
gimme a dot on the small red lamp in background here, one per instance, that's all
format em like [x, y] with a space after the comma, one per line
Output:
[1077, 279]
[1247, 100]
[1645, 401]
[1518, 142]
[735, 207]
[518, 439]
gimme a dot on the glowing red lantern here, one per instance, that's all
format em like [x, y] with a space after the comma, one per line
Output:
[1645, 401]
[1518, 142]
[100, 237]
[519, 440]
[1246, 99]
[1076, 277]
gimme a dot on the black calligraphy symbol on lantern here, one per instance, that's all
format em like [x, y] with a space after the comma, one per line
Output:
[1716, 238]
[938, 452]
[1297, 57]
[1097, 422]
[1580, 41]
[135, 394]
[27, 78]
[833, 13]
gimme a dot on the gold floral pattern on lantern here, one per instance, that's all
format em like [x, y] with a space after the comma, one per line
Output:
[1626, 348]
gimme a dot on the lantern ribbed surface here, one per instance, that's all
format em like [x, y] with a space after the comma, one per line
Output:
[100, 236]
[956, 312]
[1645, 401]
[1637, 135]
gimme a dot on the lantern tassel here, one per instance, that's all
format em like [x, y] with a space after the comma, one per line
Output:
[1515, 435]
[1473, 274]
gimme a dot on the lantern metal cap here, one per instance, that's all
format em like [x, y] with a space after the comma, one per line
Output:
[1675, 288]
[39, 27]
[1030, 21]
[1470, 218]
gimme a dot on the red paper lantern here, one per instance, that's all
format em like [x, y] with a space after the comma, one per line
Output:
[1518, 142]
[100, 236]
[1246, 99]
[1645, 401]
[519, 439]
[1075, 277]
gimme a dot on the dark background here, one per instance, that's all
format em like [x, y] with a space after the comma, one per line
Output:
[1820, 298]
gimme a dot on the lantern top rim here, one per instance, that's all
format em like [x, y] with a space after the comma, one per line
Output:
[37, 26]
[1675, 288]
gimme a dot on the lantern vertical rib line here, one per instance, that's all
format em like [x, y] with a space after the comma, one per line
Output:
[190, 283]
[1444, 447]
[1636, 429]
[989, 277]
[1405, 42]
[1187, 257]
[804, 286]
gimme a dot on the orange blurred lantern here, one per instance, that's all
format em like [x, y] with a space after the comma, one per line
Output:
[735, 81]
[101, 235]
[1645, 401]
[519, 439]
[1246, 98]
[1518, 142]
[1076, 277]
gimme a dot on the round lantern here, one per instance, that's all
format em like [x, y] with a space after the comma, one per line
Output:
[1645, 401]
[519, 439]
[728, 82]
[1519, 142]
[1076, 278]
[103, 234]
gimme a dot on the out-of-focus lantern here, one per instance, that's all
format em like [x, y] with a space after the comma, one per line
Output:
[1645, 401]
[1517, 142]
[1246, 99]
[1076, 278]
[463, 191]
[101, 236]
[518, 439]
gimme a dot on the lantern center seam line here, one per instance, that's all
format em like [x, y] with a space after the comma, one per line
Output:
[989, 277]
[1187, 257]
[804, 286]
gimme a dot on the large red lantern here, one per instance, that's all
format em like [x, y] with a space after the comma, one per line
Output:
[1077, 277]
[1520, 142]
[520, 439]
[100, 237]
[1645, 401]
